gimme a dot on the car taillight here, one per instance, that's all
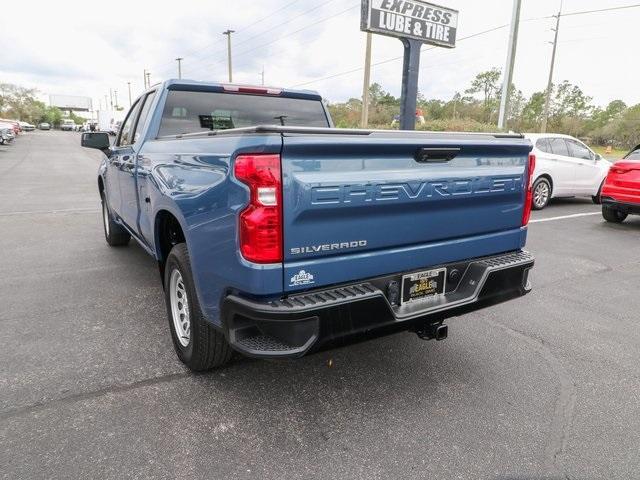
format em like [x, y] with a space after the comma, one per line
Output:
[619, 170]
[526, 213]
[261, 222]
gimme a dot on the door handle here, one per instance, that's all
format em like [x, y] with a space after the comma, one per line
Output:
[436, 154]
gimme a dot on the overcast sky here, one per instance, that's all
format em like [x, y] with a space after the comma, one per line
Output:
[85, 48]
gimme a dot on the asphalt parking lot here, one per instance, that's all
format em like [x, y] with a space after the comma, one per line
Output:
[547, 386]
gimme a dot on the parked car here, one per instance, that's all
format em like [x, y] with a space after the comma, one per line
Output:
[114, 128]
[621, 190]
[6, 133]
[68, 125]
[565, 167]
[44, 126]
[278, 240]
[27, 127]
[15, 125]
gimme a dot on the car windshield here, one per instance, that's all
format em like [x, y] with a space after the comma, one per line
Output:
[191, 112]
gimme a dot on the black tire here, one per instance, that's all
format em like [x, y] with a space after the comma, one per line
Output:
[114, 234]
[207, 347]
[612, 215]
[596, 199]
[541, 201]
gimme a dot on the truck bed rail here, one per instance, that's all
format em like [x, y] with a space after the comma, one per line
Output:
[337, 131]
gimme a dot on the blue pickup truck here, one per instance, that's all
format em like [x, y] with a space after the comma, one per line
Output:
[277, 235]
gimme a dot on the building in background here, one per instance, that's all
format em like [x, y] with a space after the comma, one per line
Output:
[71, 103]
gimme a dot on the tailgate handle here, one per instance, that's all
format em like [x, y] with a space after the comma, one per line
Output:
[436, 155]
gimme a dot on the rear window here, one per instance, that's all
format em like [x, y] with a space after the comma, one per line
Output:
[192, 112]
[635, 155]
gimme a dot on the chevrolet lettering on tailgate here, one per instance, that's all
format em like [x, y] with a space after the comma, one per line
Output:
[372, 192]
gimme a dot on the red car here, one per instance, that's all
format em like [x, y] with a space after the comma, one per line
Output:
[621, 190]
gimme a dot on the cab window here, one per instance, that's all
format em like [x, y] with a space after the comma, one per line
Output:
[126, 131]
[144, 113]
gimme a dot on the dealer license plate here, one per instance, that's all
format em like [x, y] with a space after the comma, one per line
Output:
[423, 285]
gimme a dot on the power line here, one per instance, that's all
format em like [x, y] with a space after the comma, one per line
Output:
[268, 16]
[500, 27]
[219, 52]
[200, 49]
[302, 14]
[394, 59]
[306, 27]
[610, 9]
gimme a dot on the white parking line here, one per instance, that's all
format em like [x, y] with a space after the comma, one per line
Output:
[575, 215]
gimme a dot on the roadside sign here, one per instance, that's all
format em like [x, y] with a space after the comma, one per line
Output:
[411, 19]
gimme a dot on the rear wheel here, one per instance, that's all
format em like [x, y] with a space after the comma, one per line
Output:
[541, 193]
[114, 234]
[197, 343]
[612, 215]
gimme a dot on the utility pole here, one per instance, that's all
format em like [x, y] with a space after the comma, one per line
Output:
[547, 99]
[111, 98]
[364, 121]
[511, 59]
[144, 78]
[115, 94]
[179, 60]
[262, 75]
[148, 79]
[129, 86]
[228, 34]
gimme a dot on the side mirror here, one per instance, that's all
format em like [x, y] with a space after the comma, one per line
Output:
[599, 157]
[98, 140]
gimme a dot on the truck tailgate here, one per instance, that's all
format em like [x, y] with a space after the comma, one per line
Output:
[356, 207]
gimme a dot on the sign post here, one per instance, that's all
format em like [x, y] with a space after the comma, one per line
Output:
[414, 22]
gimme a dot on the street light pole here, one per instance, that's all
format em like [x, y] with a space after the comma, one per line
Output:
[129, 87]
[144, 78]
[148, 79]
[115, 94]
[228, 34]
[511, 59]
[547, 99]
[111, 98]
[179, 60]
[364, 121]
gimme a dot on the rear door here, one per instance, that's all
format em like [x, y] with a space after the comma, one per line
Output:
[360, 206]
[563, 167]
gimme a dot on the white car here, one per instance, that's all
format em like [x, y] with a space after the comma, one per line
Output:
[565, 167]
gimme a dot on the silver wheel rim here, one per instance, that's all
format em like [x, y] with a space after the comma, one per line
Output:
[541, 194]
[105, 217]
[179, 308]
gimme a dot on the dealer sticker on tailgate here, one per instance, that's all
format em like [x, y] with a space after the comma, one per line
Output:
[422, 285]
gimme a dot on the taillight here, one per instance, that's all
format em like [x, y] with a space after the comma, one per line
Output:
[261, 222]
[619, 170]
[526, 213]
[251, 90]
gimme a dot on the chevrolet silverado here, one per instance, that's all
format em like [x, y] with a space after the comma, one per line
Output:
[277, 235]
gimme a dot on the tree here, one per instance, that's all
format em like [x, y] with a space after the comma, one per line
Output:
[488, 84]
